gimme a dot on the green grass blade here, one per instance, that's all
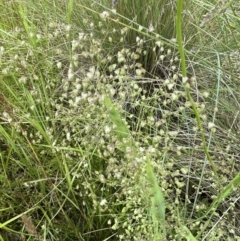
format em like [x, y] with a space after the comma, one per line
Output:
[157, 199]
[186, 233]
[121, 128]
[187, 88]
[226, 192]
[69, 10]
[3, 225]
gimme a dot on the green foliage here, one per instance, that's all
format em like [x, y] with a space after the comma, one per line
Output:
[121, 128]
[157, 202]
[111, 129]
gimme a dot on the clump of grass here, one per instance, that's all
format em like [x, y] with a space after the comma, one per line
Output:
[96, 134]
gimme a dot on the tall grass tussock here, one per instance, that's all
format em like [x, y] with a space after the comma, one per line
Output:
[119, 120]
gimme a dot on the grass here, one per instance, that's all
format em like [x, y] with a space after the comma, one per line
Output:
[119, 124]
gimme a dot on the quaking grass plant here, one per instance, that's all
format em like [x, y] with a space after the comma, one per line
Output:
[97, 143]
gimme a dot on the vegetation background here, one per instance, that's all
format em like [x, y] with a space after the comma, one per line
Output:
[119, 120]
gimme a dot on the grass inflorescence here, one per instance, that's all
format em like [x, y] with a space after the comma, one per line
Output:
[119, 120]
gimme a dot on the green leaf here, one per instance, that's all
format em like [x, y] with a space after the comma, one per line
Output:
[187, 234]
[121, 128]
[157, 199]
